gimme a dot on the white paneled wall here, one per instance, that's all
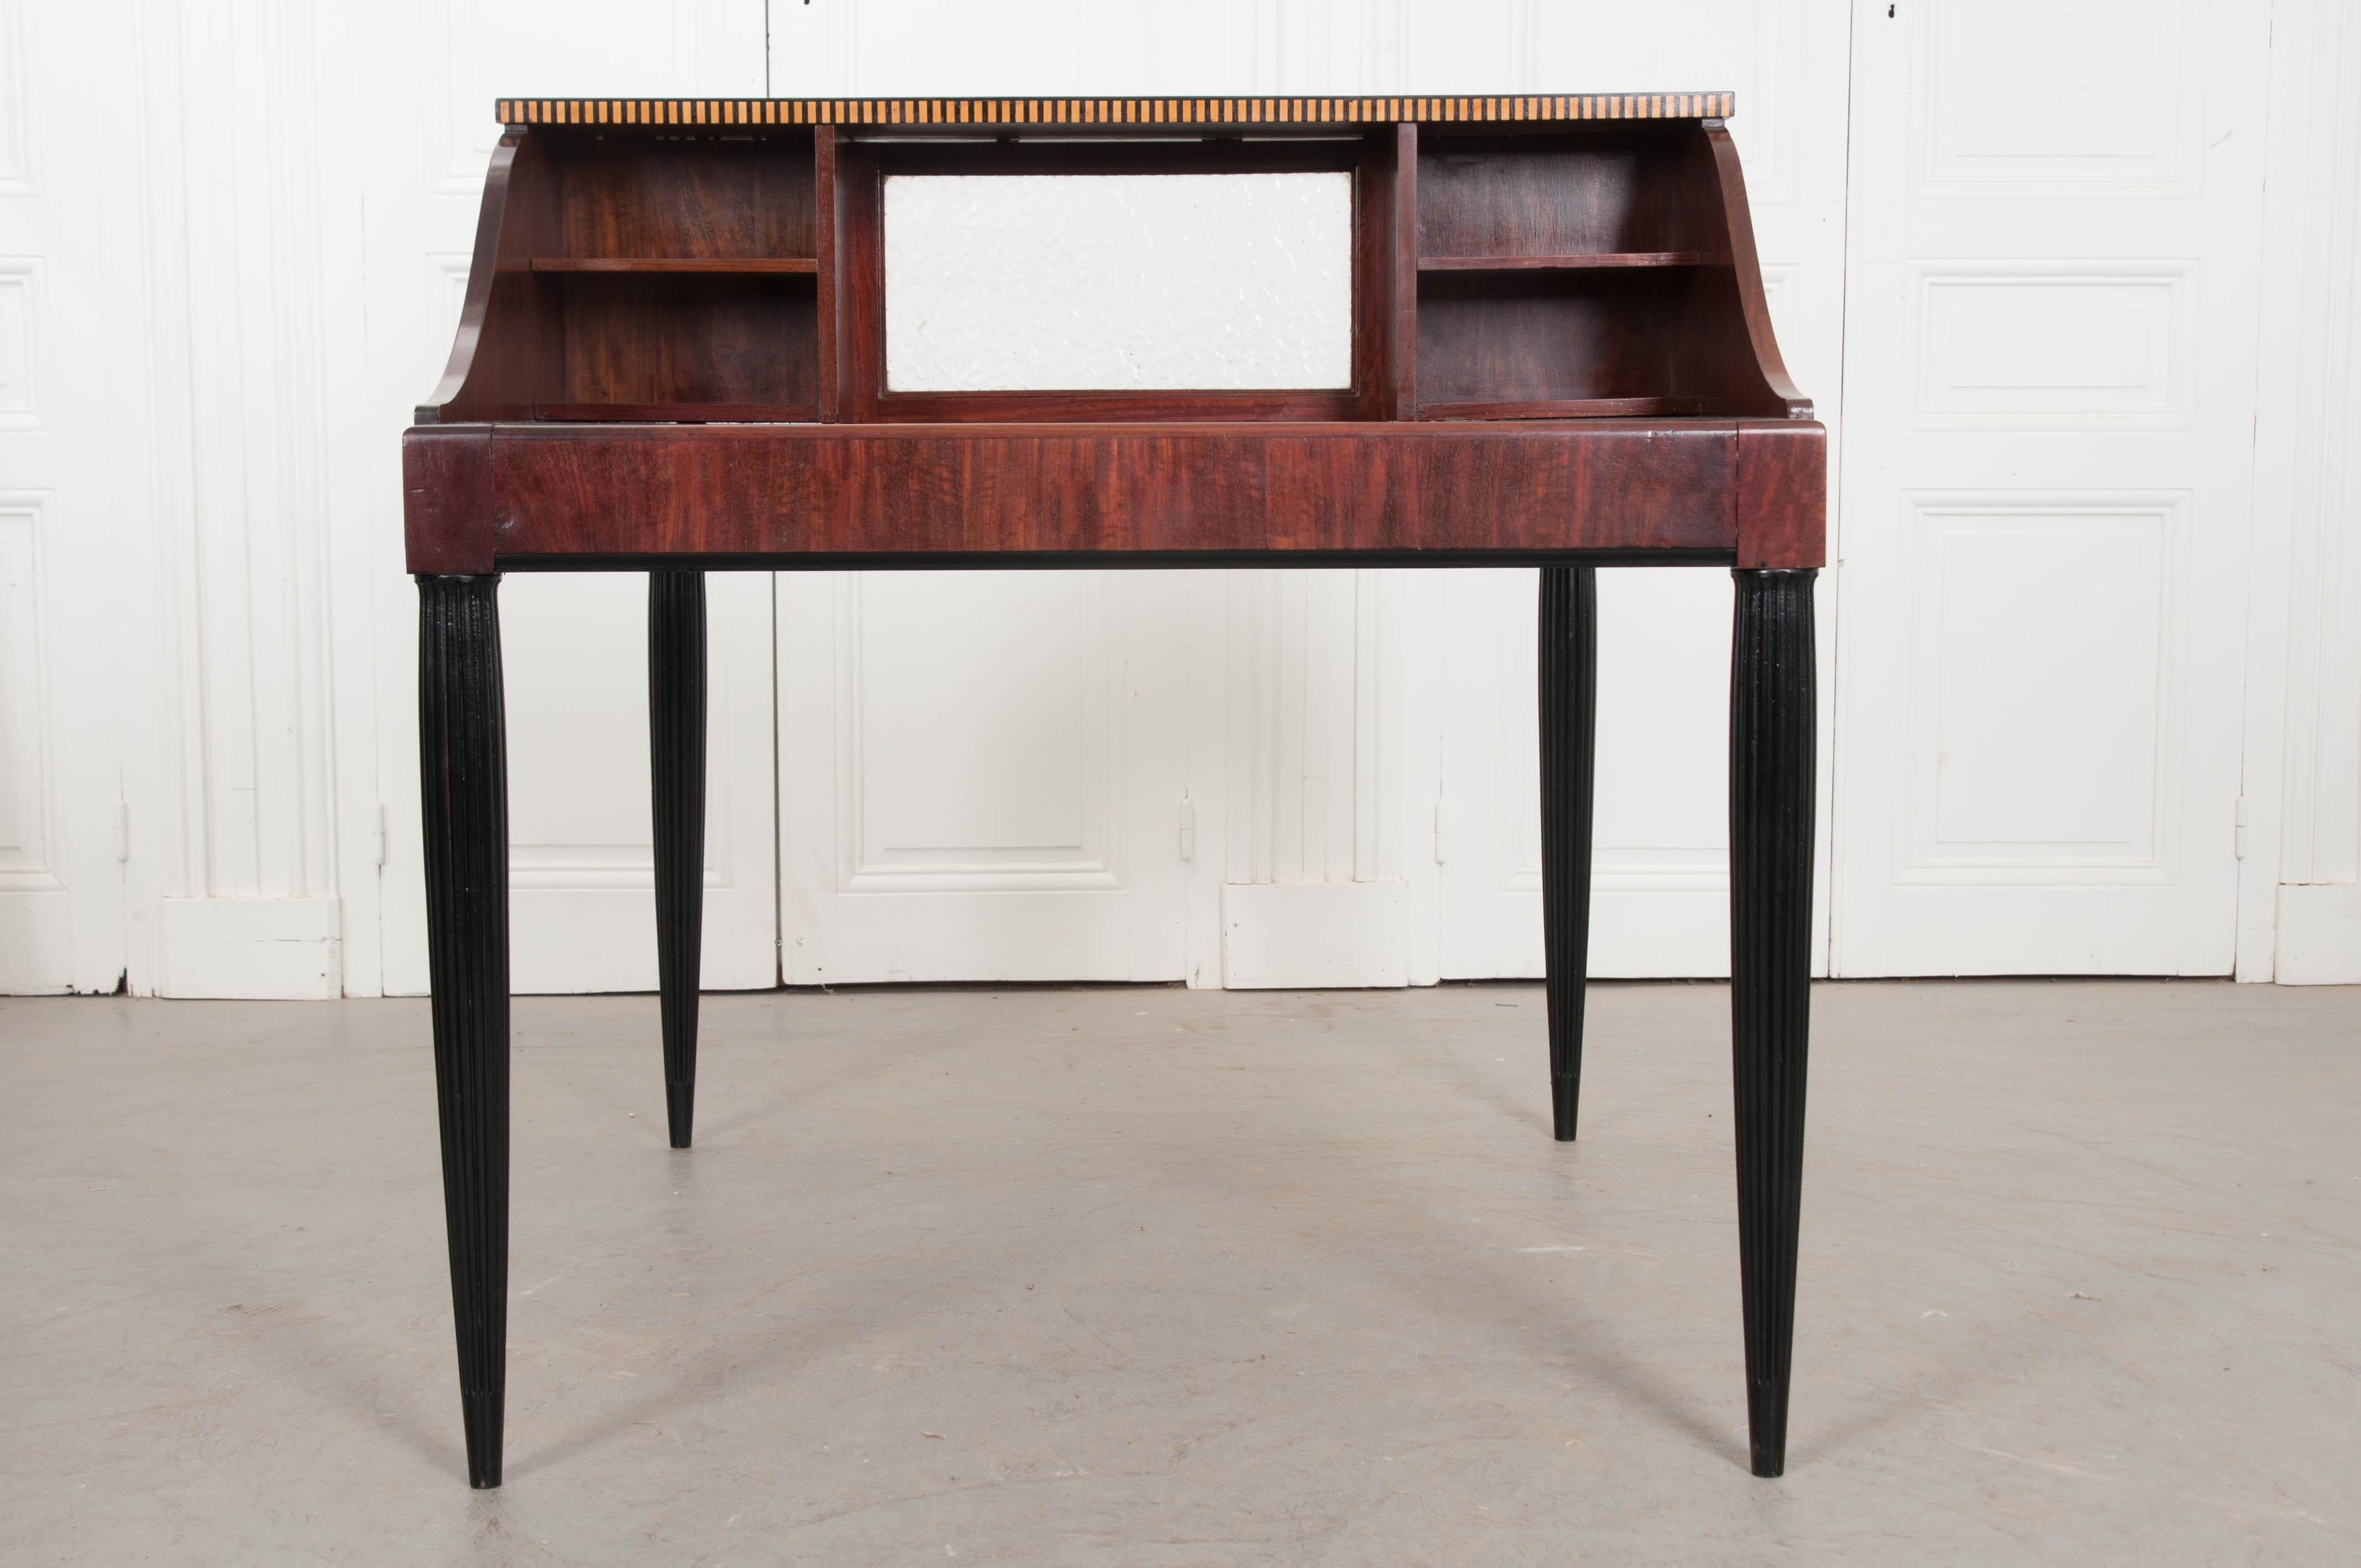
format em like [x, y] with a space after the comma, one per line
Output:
[2300, 893]
[247, 271]
[981, 775]
[582, 856]
[1314, 891]
[104, 676]
[219, 298]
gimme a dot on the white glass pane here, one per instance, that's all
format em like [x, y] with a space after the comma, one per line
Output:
[1073, 282]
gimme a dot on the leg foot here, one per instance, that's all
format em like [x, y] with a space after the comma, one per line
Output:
[677, 754]
[1569, 702]
[1772, 698]
[463, 758]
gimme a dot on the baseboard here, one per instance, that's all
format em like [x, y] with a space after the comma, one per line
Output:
[276, 948]
[2319, 935]
[1675, 934]
[1287, 935]
[36, 941]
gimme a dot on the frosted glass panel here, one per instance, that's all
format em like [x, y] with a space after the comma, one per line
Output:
[1076, 282]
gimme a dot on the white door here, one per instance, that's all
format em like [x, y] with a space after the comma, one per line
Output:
[72, 446]
[582, 904]
[982, 775]
[1659, 861]
[2055, 235]
[1660, 871]
[581, 854]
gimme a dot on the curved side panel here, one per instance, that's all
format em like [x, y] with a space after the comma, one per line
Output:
[505, 356]
[479, 281]
[1779, 396]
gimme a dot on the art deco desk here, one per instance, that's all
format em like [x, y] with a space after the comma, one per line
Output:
[675, 357]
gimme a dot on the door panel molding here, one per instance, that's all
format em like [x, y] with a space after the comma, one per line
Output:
[2046, 488]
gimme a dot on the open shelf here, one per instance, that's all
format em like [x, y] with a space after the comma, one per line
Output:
[680, 413]
[1532, 344]
[1568, 408]
[681, 279]
[1558, 277]
[722, 266]
[1590, 262]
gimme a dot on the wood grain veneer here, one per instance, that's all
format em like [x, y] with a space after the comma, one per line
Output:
[589, 495]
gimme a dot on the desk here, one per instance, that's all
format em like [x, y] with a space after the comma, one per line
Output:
[672, 357]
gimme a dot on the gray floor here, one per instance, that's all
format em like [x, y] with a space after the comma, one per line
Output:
[1165, 1277]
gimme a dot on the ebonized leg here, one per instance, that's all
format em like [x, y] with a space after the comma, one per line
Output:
[1569, 688]
[463, 758]
[1772, 700]
[676, 753]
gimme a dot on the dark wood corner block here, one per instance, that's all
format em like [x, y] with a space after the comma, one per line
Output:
[1783, 494]
[447, 485]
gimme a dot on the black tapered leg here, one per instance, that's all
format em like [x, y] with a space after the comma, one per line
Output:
[676, 753]
[463, 758]
[1569, 688]
[1772, 700]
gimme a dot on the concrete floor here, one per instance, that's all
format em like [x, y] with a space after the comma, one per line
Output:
[1150, 1277]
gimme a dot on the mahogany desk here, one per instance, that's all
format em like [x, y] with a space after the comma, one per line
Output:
[672, 356]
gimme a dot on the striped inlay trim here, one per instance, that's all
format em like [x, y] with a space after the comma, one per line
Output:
[1108, 111]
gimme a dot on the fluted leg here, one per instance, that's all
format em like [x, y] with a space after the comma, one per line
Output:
[1569, 688]
[1772, 698]
[676, 752]
[463, 758]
